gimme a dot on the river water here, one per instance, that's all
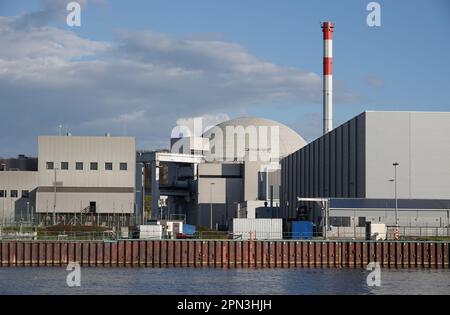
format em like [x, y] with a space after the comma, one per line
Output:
[182, 281]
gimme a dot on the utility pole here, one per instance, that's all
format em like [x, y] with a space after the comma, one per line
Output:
[54, 198]
[210, 206]
[3, 198]
[396, 232]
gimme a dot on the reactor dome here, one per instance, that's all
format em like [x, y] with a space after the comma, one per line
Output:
[249, 138]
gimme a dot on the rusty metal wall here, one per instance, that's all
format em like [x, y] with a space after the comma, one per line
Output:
[226, 253]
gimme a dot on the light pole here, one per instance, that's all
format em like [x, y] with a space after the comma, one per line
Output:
[3, 197]
[395, 192]
[54, 197]
[28, 212]
[144, 165]
[210, 205]
[396, 231]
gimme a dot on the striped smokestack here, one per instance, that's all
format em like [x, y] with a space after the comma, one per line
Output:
[327, 29]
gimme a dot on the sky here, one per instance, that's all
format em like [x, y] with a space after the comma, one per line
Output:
[141, 67]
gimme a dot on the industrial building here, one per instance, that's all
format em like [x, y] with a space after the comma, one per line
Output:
[354, 166]
[87, 180]
[232, 171]
[389, 168]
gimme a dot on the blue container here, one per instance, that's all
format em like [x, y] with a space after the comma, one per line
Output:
[188, 229]
[302, 230]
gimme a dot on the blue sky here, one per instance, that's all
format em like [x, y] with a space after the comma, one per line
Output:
[402, 65]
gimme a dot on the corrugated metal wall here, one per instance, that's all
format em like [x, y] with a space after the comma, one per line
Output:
[331, 166]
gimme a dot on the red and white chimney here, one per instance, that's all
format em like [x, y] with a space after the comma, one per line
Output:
[327, 29]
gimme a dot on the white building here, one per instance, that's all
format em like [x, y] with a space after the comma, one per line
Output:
[89, 179]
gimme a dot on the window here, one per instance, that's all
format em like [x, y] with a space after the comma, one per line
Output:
[64, 165]
[94, 166]
[14, 193]
[2, 193]
[123, 166]
[361, 221]
[108, 166]
[25, 194]
[50, 165]
[340, 221]
[79, 166]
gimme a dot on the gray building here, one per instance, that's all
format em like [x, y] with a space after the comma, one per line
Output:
[86, 175]
[355, 161]
[232, 171]
[84, 179]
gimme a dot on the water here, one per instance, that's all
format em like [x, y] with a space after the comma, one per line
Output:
[40, 280]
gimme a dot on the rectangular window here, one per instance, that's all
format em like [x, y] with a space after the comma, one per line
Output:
[79, 166]
[340, 221]
[108, 166]
[123, 166]
[14, 193]
[361, 221]
[25, 194]
[94, 166]
[50, 165]
[2, 193]
[64, 165]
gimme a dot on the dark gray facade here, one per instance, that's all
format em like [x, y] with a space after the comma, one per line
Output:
[355, 160]
[331, 166]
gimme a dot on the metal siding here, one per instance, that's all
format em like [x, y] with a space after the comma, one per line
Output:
[316, 168]
[345, 161]
[332, 166]
[352, 158]
[361, 156]
[321, 166]
[339, 162]
[327, 166]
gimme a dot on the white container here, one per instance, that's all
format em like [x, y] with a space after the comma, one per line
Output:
[259, 229]
[172, 227]
[151, 232]
[124, 232]
[378, 231]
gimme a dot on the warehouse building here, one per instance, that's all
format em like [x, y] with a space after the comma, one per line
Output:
[88, 180]
[353, 165]
[18, 184]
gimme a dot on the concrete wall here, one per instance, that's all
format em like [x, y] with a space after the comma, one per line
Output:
[76, 188]
[72, 202]
[420, 143]
[17, 180]
[227, 191]
[406, 217]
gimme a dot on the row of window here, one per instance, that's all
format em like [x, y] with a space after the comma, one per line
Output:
[93, 166]
[14, 193]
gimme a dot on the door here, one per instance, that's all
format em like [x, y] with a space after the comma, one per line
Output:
[92, 207]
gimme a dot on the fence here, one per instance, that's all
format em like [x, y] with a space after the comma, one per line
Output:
[226, 253]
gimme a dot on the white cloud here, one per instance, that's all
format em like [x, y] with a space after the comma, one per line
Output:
[143, 82]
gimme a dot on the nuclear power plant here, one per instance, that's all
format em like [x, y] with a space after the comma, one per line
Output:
[390, 168]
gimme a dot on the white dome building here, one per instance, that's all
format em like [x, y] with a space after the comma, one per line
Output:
[252, 139]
